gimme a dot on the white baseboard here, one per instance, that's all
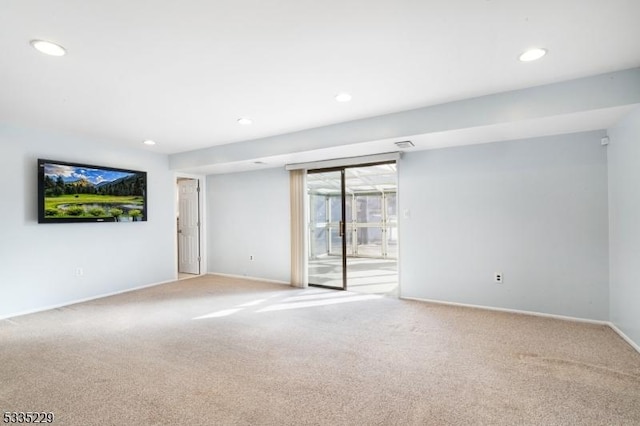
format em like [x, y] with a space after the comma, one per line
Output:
[76, 301]
[245, 277]
[626, 338]
[512, 311]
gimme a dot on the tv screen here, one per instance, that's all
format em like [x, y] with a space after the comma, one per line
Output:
[72, 192]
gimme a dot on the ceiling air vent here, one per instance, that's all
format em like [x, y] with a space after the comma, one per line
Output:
[404, 144]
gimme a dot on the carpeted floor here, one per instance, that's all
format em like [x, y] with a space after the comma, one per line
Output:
[214, 350]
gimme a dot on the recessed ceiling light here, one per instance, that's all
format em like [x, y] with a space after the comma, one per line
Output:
[48, 48]
[532, 54]
[343, 97]
[245, 121]
[149, 142]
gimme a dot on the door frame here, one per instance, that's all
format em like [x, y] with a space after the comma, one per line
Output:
[202, 240]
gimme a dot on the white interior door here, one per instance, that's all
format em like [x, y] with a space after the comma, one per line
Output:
[188, 226]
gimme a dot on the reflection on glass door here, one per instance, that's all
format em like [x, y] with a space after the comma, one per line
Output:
[353, 228]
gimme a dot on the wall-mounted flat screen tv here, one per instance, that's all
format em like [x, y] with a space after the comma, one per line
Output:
[72, 192]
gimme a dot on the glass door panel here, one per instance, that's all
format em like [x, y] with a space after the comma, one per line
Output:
[372, 221]
[326, 229]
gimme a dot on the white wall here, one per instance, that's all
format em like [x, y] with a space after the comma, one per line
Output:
[624, 224]
[38, 261]
[248, 215]
[535, 210]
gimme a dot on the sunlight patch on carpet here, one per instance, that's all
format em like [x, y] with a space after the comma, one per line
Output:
[298, 305]
[218, 314]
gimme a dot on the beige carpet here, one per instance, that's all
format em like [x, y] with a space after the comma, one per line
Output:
[214, 350]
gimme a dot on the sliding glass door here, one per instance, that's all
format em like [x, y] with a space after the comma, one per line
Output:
[353, 229]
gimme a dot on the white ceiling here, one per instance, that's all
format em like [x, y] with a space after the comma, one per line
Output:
[183, 72]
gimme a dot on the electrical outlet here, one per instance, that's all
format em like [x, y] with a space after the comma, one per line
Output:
[251, 257]
[79, 272]
[497, 277]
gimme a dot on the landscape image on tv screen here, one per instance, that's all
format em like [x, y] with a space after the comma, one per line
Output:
[70, 192]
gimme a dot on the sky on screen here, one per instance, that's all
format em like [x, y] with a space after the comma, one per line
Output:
[73, 173]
